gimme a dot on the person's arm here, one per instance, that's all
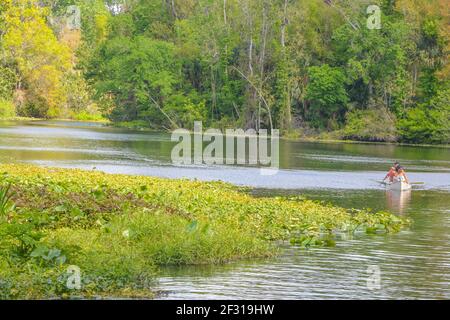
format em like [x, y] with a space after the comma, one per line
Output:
[387, 175]
[406, 178]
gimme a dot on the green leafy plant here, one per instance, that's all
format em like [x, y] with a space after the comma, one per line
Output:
[374, 124]
[6, 205]
[24, 236]
[119, 229]
[7, 109]
[49, 255]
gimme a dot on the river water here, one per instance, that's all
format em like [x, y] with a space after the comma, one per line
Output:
[413, 264]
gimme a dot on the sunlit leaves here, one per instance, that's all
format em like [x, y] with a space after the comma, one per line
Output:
[41, 59]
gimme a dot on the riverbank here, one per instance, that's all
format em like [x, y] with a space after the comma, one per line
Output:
[289, 137]
[328, 137]
[315, 139]
[81, 119]
[120, 229]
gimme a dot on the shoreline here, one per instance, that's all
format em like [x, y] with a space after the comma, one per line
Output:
[308, 139]
[13, 119]
[318, 140]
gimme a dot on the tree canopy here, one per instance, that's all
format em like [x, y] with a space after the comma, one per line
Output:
[299, 66]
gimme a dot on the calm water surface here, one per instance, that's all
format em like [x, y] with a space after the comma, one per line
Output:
[414, 264]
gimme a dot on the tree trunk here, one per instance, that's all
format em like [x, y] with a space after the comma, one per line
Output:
[262, 60]
[213, 92]
[284, 24]
[225, 12]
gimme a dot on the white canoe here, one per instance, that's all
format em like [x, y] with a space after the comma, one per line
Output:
[398, 186]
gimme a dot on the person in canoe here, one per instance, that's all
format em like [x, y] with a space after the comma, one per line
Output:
[392, 173]
[401, 174]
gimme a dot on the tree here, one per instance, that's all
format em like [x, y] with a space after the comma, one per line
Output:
[326, 95]
[41, 60]
[429, 122]
[140, 74]
[280, 64]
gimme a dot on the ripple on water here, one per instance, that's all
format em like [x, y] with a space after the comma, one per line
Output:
[413, 264]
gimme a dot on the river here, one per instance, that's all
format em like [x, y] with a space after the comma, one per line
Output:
[413, 264]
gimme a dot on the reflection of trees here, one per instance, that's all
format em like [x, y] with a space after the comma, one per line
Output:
[152, 149]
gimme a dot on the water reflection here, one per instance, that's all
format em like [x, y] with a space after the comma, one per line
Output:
[414, 263]
[398, 201]
[42, 139]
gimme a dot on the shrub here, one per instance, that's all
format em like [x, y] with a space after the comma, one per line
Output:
[85, 115]
[370, 125]
[35, 107]
[428, 123]
[7, 109]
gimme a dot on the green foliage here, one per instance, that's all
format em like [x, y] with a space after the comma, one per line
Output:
[141, 75]
[119, 229]
[78, 93]
[326, 94]
[375, 62]
[6, 205]
[184, 111]
[24, 237]
[7, 109]
[429, 122]
[8, 79]
[85, 115]
[41, 59]
[293, 65]
[374, 124]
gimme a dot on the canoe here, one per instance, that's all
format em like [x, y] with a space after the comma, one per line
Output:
[398, 186]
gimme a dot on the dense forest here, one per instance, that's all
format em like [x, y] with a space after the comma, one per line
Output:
[306, 67]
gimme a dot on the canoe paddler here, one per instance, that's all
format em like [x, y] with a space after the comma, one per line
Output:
[392, 172]
[401, 174]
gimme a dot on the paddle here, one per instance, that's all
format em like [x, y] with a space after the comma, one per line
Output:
[380, 182]
[384, 182]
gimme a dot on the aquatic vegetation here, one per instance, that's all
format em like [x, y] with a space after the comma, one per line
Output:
[6, 205]
[119, 229]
